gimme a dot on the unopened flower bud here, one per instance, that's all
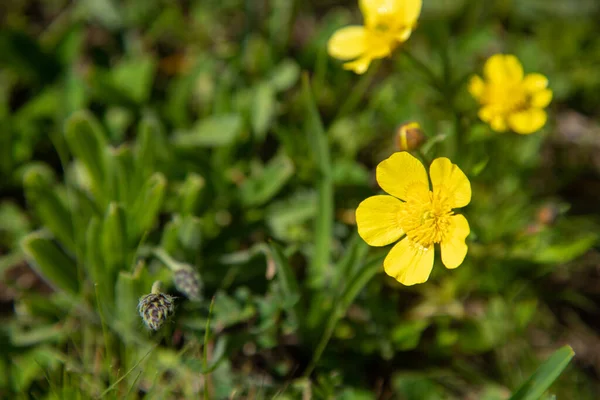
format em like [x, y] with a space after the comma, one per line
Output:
[185, 277]
[409, 136]
[187, 281]
[155, 308]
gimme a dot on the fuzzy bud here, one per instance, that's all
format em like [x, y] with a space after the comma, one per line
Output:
[187, 281]
[155, 308]
[409, 136]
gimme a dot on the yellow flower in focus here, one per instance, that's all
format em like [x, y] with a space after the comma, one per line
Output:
[422, 215]
[388, 23]
[510, 100]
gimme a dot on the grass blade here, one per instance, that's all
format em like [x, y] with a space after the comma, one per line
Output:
[319, 265]
[545, 375]
[287, 280]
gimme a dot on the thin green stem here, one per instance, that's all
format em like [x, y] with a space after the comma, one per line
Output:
[421, 66]
[342, 303]
[205, 349]
[358, 91]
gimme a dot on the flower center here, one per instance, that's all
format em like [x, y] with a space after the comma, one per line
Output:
[426, 218]
[507, 98]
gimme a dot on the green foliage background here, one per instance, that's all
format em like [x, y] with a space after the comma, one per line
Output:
[142, 135]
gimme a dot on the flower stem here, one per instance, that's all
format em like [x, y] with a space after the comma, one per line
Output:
[155, 287]
[358, 91]
[421, 66]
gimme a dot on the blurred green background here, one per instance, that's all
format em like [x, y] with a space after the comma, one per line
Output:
[142, 135]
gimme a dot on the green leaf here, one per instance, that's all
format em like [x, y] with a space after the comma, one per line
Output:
[134, 77]
[127, 292]
[319, 266]
[88, 144]
[123, 175]
[216, 131]
[150, 145]
[263, 110]
[287, 280]
[190, 233]
[49, 207]
[285, 75]
[94, 261]
[147, 206]
[258, 190]
[50, 261]
[114, 238]
[190, 193]
[545, 375]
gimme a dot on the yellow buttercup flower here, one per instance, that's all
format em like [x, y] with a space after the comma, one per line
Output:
[388, 23]
[422, 215]
[510, 100]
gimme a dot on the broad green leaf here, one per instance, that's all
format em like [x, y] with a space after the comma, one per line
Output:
[127, 292]
[215, 131]
[320, 263]
[114, 238]
[190, 193]
[123, 175]
[190, 233]
[117, 120]
[285, 75]
[534, 387]
[42, 197]
[263, 110]
[147, 206]
[287, 218]
[134, 77]
[260, 189]
[94, 261]
[406, 335]
[50, 261]
[150, 145]
[412, 386]
[88, 144]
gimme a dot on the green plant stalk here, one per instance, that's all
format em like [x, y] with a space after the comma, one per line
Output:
[358, 91]
[319, 265]
[359, 281]
[205, 350]
[421, 66]
[105, 333]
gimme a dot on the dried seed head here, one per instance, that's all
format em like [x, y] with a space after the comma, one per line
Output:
[155, 308]
[409, 136]
[187, 281]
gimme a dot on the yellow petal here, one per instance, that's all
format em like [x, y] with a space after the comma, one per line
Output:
[498, 124]
[403, 35]
[453, 247]
[503, 69]
[448, 180]
[409, 11]
[372, 11]
[486, 113]
[398, 173]
[541, 98]
[377, 220]
[535, 82]
[476, 87]
[348, 43]
[397, 13]
[359, 66]
[528, 121]
[409, 263]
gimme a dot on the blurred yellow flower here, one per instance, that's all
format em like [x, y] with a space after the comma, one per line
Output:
[425, 216]
[388, 23]
[510, 100]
